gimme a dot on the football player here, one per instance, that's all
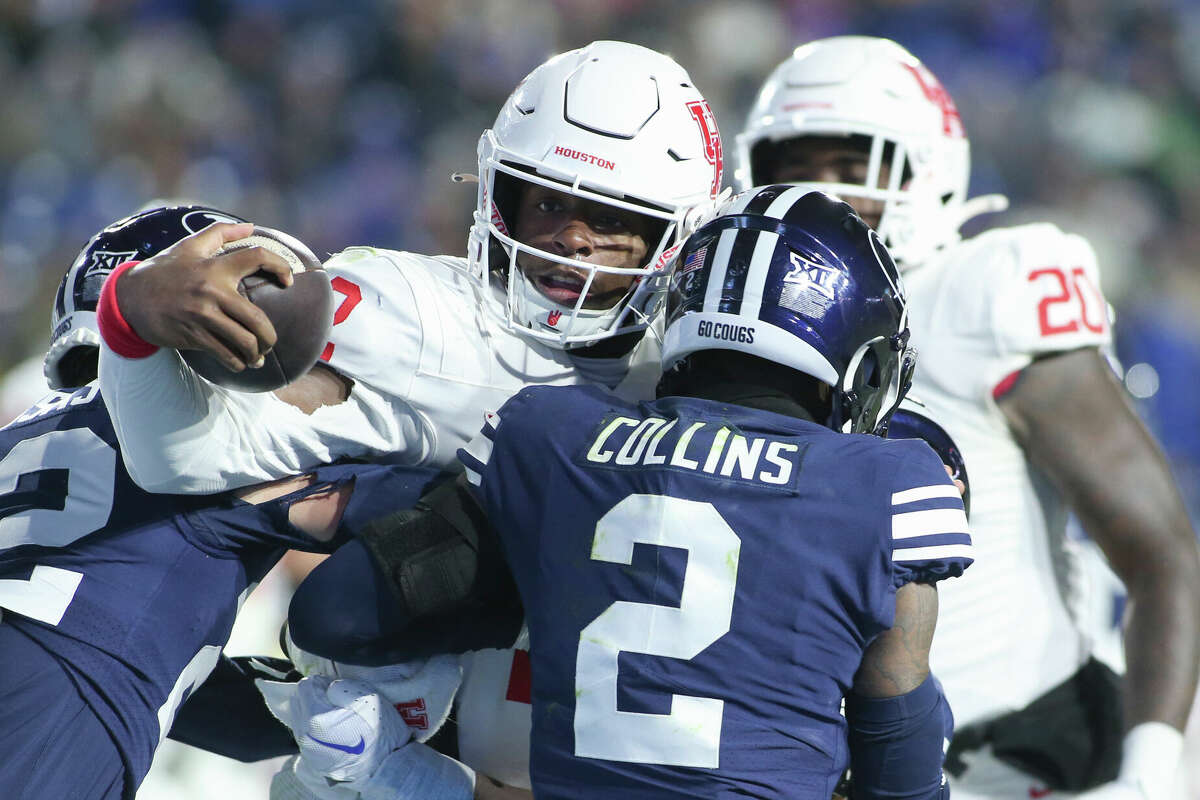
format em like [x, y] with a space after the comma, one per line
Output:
[586, 180]
[116, 602]
[708, 576]
[594, 171]
[1011, 325]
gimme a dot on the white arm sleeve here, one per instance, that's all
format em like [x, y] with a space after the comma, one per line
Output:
[181, 434]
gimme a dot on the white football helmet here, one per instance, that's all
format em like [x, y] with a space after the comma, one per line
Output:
[614, 123]
[874, 88]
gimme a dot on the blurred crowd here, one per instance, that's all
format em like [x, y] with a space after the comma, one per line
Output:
[341, 123]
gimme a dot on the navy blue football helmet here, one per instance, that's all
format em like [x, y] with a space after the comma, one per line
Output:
[910, 422]
[795, 277]
[74, 336]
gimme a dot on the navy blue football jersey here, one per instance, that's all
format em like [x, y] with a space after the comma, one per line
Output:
[135, 593]
[700, 582]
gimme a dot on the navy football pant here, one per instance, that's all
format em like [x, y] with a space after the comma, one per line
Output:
[52, 743]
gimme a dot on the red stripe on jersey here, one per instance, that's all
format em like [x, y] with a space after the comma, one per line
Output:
[520, 679]
[1005, 385]
[327, 353]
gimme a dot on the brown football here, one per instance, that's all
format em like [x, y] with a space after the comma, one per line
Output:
[302, 315]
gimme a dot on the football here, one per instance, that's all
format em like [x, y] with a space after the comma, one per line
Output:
[302, 315]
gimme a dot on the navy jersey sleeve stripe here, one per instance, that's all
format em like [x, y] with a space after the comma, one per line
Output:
[930, 540]
[930, 537]
[930, 552]
[478, 452]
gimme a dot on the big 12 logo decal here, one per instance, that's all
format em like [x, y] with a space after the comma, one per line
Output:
[711, 137]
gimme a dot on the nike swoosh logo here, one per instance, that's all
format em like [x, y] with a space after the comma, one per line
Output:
[345, 748]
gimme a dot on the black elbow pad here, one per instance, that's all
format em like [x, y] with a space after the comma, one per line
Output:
[447, 573]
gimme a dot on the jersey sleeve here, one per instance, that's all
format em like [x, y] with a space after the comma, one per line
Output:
[181, 434]
[930, 540]
[377, 334]
[408, 326]
[1048, 295]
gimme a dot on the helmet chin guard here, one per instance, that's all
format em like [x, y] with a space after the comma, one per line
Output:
[612, 123]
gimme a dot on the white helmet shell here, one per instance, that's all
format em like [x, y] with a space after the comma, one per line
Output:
[861, 85]
[611, 122]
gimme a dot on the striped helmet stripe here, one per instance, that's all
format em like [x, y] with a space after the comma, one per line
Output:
[705, 268]
[719, 260]
[756, 203]
[784, 202]
[60, 301]
[750, 284]
[734, 285]
[760, 266]
[77, 286]
[748, 251]
[760, 202]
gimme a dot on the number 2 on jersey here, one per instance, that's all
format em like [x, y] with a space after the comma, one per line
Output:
[54, 489]
[689, 736]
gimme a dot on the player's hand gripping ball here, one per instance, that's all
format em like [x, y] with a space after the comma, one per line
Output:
[302, 315]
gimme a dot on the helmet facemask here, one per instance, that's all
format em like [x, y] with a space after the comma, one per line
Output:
[856, 86]
[572, 322]
[913, 219]
[877, 378]
[879, 374]
[614, 124]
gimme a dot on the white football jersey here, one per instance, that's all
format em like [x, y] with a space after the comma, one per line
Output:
[426, 359]
[980, 312]
[495, 712]
[413, 328]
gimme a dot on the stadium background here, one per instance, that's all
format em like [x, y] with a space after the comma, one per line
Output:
[341, 122]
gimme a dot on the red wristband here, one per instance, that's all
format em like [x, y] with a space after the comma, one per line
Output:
[1005, 385]
[118, 335]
